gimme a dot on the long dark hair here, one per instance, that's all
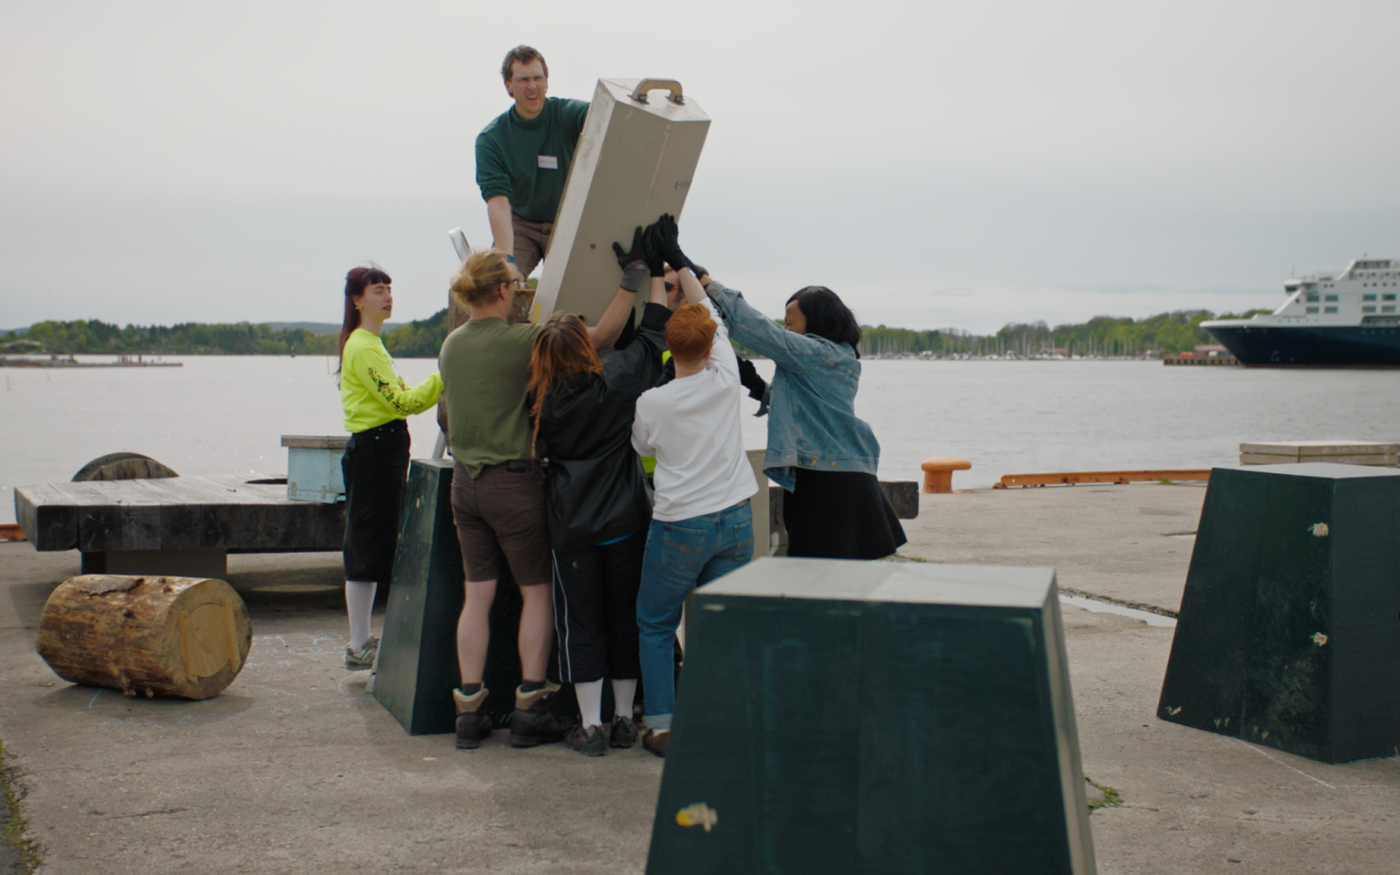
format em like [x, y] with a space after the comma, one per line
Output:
[562, 351]
[827, 316]
[356, 281]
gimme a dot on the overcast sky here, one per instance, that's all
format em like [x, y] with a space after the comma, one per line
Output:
[936, 164]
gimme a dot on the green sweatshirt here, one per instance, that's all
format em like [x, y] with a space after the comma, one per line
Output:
[528, 161]
[370, 390]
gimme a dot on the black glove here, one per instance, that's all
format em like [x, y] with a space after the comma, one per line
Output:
[635, 254]
[748, 376]
[651, 251]
[669, 237]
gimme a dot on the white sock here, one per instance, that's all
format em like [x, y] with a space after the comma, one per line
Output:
[590, 702]
[624, 696]
[359, 603]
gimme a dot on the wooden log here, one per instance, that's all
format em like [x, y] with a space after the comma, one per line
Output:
[184, 637]
[122, 466]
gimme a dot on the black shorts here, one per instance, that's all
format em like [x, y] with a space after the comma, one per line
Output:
[375, 467]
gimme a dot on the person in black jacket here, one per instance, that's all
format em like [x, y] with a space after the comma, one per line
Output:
[597, 502]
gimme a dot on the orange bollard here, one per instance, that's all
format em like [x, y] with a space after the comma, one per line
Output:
[938, 472]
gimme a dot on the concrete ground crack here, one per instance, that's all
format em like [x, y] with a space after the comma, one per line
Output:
[1137, 606]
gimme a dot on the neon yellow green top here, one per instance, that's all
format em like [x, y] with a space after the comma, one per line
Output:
[370, 390]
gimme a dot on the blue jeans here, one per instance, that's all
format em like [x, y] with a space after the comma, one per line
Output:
[680, 555]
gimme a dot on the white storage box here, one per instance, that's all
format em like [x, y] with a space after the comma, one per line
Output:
[313, 467]
[635, 160]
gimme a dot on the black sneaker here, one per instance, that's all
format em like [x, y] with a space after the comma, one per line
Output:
[622, 733]
[533, 722]
[472, 723]
[587, 740]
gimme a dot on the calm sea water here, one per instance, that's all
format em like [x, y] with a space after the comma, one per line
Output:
[221, 414]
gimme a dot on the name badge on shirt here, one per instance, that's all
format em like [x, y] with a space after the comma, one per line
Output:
[549, 162]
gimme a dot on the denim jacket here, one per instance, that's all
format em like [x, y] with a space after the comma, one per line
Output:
[813, 421]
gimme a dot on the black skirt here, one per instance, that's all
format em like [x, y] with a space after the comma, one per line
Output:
[840, 515]
[375, 467]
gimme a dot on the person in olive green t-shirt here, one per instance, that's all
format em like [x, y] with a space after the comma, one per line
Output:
[523, 158]
[498, 490]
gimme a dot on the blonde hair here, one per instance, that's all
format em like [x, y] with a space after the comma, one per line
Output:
[690, 333]
[480, 274]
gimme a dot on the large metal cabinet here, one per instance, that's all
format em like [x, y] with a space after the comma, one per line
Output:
[635, 160]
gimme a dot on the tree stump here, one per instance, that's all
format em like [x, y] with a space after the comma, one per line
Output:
[184, 637]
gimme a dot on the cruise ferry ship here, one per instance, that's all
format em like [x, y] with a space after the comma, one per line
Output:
[1348, 319]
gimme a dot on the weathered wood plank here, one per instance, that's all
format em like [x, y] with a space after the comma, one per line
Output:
[316, 441]
[48, 518]
[141, 526]
[248, 492]
[194, 513]
[98, 521]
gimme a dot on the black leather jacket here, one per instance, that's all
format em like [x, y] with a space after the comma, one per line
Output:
[594, 483]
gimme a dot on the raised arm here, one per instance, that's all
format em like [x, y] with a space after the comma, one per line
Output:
[798, 353]
[609, 326]
[502, 232]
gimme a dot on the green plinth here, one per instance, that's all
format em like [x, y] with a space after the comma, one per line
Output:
[874, 717]
[1289, 630]
[418, 649]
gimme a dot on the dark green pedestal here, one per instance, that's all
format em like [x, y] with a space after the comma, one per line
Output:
[418, 650]
[874, 717]
[1289, 632]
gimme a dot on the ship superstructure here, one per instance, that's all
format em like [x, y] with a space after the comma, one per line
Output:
[1346, 319]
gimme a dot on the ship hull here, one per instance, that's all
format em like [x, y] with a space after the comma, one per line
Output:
[1342, 346]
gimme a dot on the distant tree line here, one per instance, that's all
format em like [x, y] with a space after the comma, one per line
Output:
[1168, 333]
[189, 338]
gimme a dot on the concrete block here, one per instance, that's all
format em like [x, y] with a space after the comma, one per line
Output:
[842, 716]
[1288, 621]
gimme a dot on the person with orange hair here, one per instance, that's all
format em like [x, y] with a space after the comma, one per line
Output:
[596, 502]
[702, 522]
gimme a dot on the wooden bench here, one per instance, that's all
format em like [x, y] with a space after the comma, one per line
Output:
[177, 525]
[1341, 452]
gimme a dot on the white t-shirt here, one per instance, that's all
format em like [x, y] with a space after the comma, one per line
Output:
[691, 425]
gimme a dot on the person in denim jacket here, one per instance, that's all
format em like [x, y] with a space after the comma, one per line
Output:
[819, 451]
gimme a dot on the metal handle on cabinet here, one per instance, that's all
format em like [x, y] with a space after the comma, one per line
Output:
[640, 93]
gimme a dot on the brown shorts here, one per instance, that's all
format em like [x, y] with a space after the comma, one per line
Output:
[501, 514]
[531, 243]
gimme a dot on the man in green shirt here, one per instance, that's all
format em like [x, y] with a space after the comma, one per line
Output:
[523, 158]
[498, 500]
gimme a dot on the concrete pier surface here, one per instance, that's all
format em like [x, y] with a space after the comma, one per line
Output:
[294, 769]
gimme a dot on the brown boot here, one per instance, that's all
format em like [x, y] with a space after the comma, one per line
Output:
[472, 723]
[655, 741]
[533, 722]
